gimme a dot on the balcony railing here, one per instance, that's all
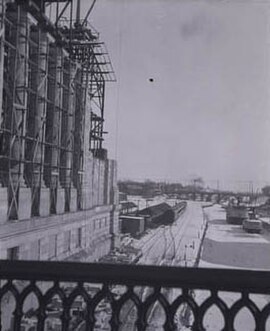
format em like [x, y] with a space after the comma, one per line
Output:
[78, 296]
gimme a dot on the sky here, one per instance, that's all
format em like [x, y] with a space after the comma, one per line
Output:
[192, 91]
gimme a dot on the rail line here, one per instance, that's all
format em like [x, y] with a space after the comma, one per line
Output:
[171, 237]
[169, 260]
[167, 257]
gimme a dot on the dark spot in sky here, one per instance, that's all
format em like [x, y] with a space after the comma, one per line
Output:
[151, 80]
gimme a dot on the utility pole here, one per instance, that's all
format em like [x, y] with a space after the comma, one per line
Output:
[218, 198]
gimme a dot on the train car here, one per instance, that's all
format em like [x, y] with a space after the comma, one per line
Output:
[134, 225]
[162, 214]
[253, 224]
[236, 214]
[159, 214]
[179, 209]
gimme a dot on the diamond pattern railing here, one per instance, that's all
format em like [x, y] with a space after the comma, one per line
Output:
[79, 296]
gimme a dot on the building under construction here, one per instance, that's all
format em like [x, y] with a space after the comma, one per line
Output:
[58, 194]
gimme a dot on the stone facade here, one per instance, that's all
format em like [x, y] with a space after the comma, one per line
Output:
[58, 196]
[83, 235]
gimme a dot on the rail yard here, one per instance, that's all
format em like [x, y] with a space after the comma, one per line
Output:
[201, 237]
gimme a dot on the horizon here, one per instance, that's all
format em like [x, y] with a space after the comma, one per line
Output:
[239, 186]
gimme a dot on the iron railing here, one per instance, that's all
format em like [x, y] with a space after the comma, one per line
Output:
[127, 297]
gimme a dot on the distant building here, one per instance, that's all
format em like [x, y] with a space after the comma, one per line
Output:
[147, 189]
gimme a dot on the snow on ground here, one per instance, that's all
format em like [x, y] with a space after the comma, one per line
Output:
[229, 246]
[177, 244]
[225, 246]
[265, 219]
[174, 245]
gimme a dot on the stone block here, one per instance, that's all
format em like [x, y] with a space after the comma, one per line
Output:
[44, 205]
[3, 204]
[73, 199]
[60, 249]
[3, 254]
[60, 204]
[25, 252]
[24, 203]
[44, 249]
[86, 198]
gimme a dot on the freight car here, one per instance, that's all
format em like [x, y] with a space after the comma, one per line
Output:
[236, 214]
[253, 223]
[179, 209]
[132, 224]
[162, 214]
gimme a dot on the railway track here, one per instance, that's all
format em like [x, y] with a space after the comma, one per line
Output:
[166, 247]
[171, 235]
[148, 246]
[166, 244]
[171, 251]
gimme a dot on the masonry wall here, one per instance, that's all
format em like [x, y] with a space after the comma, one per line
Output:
[94, 230]
[62, 202]
[81, 236]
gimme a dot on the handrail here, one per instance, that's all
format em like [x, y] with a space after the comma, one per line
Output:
[181, 307]
[255, 281]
